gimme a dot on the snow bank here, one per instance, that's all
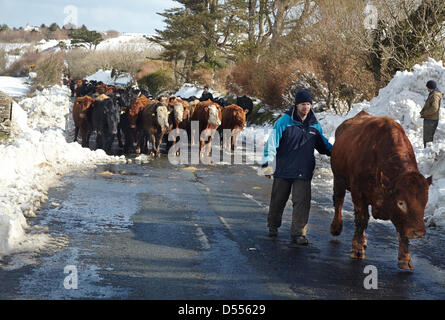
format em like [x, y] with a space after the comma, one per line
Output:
[50, 45]
[105, 77]
[402, 99]
[37, 157]
[132, 41]
[14, 87]
[189, 90]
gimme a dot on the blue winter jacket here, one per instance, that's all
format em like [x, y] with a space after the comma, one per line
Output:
[293, 141]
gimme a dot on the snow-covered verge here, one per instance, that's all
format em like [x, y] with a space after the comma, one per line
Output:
[14, 87]
[402, 99]
[37, 154]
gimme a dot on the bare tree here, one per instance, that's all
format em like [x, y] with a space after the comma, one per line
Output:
[251, 22]
[408, 31]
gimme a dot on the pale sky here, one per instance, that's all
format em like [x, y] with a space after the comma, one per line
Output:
[120, 15]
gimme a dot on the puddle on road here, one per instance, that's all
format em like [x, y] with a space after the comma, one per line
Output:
[193, 169]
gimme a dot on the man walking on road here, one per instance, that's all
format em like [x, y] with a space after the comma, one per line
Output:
[430, 112]
[294, 137]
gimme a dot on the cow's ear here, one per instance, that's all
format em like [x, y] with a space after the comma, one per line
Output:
[429, 180]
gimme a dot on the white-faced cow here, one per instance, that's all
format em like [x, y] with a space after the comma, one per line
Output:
[209, 116]
[155, 125]
[233, 122]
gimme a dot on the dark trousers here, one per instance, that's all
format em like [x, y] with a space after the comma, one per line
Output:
[301, 202]
[429, 128]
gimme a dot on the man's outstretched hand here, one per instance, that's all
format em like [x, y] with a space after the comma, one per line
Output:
[266, 170]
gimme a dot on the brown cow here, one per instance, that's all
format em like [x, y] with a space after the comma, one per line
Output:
[209, 116]
[233, 119]
[193, 105]
[81, 117]
[373, 159]
[164, 99]
[133, 115]
[174, 100]
[155, 124]
[77, 86]
[105, 89]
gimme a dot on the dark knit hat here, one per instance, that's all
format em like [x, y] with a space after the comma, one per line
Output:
[431, 84]
[303, 96]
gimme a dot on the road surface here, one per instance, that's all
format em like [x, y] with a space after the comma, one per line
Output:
[160, 231]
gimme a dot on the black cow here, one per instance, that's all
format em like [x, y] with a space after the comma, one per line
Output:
[221, 101]
[105, 120]
[192, 98]
[87, 88]
[245, 102]
[123, 98]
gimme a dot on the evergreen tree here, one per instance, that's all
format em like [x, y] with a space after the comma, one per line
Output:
[85, 37]
[53, 27]
[202, 34]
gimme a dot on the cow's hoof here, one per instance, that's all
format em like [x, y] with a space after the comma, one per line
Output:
[357, 254]
[336, 228]
[405, 264]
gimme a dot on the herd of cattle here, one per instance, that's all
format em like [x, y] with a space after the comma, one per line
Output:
[135, 117]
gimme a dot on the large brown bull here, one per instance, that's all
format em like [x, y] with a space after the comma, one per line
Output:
[373, 159]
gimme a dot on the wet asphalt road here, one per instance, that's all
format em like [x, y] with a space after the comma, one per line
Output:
[159, 231]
